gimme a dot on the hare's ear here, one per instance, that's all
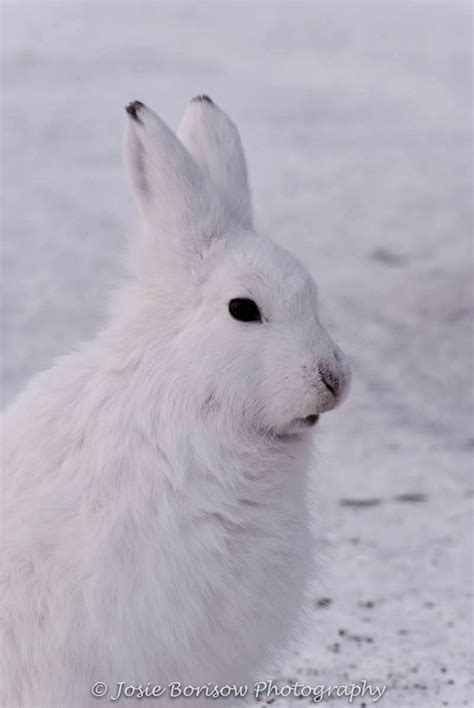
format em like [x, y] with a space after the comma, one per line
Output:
[180, 209]
[214, 142]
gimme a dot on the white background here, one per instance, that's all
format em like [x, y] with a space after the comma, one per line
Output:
[356, 121]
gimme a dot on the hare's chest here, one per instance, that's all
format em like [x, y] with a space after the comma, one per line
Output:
[247, 559]
[212, 579]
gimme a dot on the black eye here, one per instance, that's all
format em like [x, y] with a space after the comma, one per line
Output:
[244, 310]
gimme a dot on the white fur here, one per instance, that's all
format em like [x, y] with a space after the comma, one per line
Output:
[154, 523]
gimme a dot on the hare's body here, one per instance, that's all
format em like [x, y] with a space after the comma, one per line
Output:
[162, 555]
[154, 519]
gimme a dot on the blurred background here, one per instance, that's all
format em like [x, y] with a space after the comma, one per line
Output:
[357, 122]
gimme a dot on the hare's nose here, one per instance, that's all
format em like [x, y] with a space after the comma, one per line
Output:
[331, 378]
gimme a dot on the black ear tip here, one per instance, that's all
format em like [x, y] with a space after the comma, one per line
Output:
[133, 109]
[204, 98]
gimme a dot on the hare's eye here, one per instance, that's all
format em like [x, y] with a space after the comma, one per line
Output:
[244, 310]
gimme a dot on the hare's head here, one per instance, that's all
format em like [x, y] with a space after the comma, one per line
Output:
[244, 340]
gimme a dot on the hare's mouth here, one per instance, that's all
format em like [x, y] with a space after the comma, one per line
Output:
[310, 419]
[298, 426]
[306, 422]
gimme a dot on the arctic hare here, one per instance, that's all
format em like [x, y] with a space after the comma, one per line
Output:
[154, 524]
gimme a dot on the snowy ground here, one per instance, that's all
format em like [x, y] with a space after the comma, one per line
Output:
[356, 119]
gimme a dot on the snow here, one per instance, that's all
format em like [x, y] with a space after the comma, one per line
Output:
[356, 118]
